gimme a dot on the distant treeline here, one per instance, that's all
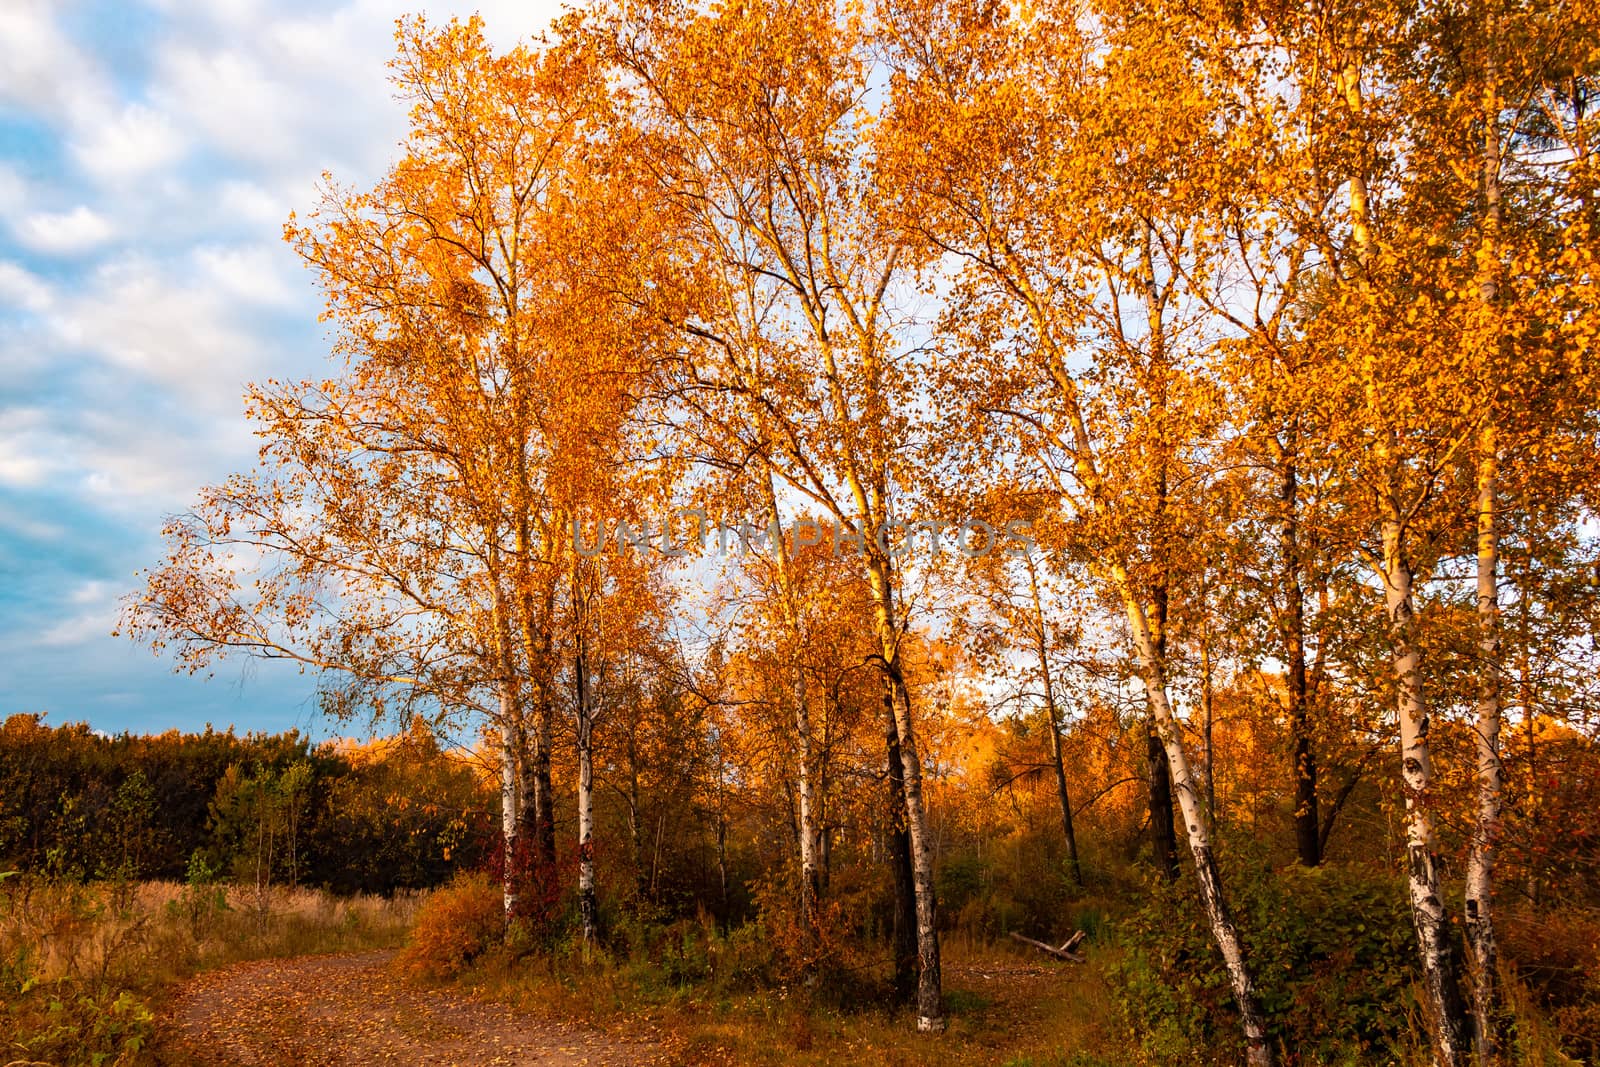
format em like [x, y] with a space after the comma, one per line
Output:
[261, 808]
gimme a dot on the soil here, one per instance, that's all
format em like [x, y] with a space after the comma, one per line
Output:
[321, 1011]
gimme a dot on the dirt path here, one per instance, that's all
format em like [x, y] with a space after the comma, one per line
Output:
[348, 1009]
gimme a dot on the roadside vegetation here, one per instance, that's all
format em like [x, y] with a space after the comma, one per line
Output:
[86, 968]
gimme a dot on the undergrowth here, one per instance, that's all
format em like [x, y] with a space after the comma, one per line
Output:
[85, 967]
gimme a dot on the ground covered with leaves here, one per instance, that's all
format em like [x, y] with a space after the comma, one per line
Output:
[354, 1009]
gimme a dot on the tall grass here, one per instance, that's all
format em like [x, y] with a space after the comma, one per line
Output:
[84, 968]
[726, 998]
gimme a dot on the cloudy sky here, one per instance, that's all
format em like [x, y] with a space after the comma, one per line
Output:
[150, 151]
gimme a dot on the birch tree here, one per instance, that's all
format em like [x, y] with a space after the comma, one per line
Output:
[798, 361]
[1046, 161]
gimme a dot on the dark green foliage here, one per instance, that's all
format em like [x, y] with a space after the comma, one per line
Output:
[262, 808]
[407, 821]
[1331, 948]
[1013, 884]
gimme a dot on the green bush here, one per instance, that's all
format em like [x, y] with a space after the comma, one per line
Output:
[94, 1028]
[203, 898]
[1012, 887]
[1331, 949]
[68, 1021]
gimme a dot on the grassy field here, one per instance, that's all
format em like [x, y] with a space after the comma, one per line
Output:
[86, 972]
[86, 969]
[1004, 1007]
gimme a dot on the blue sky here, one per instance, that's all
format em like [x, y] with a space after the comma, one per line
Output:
[149, 155]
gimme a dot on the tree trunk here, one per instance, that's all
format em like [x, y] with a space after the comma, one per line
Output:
[723, 917]
[1065, 802]
[1486, 832]
[810, 879]
[510, 736]
[641, 882]
[1042, 637]
[588, 905]
[1163, 834]
[1252, 1020]
[810, 876]
[533, 791]
[537, 642]
[904, 935]
[722, 867]
[930, 995]
[529, 815]
[1483, 958]
[1526, 703]
[1208, 720]
[1440, 980]
[543, 791]
[1307, 821]
[508, 798]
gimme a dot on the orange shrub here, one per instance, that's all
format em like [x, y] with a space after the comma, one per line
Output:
[455, 924]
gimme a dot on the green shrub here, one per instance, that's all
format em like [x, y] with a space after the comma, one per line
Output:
[92, 1028]
[1331, 949]
[743, 959]
[67, 1021]
[454, 926]
[203, 898]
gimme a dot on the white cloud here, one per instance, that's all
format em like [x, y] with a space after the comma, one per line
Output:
[248, 203]
[20, 288]
[151, 319]
[126, 144]
[13, 190]
[122, 467]
[230, 101]
[68, 232]
[91, 613]
[43, 70]
[253, 274]
[124, 460]
[92, 591]
[25, 448]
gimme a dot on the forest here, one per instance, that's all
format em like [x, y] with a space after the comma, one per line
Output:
[814, 493]
[257, 809]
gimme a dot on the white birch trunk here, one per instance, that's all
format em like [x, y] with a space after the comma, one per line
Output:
[588, 905]
[1483, 957]
[1440, 981]
[930, 996]
[810, 879]
[1428, 915]
[1486, 832]
[508, 798]
[1198, 830]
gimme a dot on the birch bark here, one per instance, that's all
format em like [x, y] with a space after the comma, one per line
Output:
[1483, 957]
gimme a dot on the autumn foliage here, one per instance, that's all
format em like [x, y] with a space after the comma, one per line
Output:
[1264, 334]
[459, 922]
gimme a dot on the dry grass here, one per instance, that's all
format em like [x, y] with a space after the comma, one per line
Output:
[1004, 1007]
[85, 968]
[98, 931]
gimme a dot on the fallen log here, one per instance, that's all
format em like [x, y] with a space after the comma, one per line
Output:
[1064, 952]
